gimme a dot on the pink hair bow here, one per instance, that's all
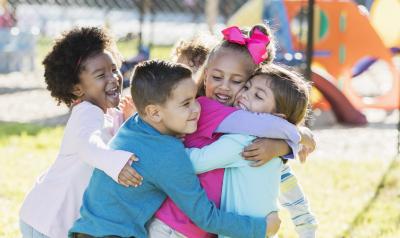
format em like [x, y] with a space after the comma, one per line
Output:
[256, 43]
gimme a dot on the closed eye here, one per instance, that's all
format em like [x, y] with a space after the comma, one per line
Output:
[100, 76]
[237, 82]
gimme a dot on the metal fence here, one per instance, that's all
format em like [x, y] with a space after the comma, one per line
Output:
[158, 21]
[194, 7]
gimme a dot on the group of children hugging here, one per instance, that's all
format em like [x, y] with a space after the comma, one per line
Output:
[201, 149]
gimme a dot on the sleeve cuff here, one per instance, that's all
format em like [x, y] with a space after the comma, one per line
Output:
[121, 158]
[294, 150]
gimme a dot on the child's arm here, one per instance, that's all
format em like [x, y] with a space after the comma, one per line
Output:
[292, 198]
[182, 186]
[262, 125]
[94, 151]
[223, 153]
[259, 125]
[263, 150]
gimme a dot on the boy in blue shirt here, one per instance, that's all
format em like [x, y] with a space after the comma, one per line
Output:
[164, 95]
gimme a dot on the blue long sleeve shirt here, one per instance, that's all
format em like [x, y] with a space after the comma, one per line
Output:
[112, 209]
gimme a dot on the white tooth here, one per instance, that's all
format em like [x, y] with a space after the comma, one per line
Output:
[223, 97]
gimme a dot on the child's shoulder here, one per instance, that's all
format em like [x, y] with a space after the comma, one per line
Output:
[85, 114]
[87, 108]
[209, 105]
[135, 131]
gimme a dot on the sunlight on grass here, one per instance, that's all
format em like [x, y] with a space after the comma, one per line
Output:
[338, 190]
[25, 154]
[385, 206]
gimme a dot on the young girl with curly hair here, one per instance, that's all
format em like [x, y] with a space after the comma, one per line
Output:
[82, 71]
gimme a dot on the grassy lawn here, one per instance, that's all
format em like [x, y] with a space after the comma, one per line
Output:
[350, 199]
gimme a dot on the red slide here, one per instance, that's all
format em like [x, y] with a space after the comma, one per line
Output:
[345, 112]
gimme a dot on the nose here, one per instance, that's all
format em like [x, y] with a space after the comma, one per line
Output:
[225, 85]
[115, 77]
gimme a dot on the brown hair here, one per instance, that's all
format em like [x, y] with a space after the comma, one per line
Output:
[241, 49]
[291, 91]
[153, 81]
[194, 50]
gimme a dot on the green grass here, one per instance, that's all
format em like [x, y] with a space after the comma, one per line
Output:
[26, 151]
[350, 199]
[385, 205]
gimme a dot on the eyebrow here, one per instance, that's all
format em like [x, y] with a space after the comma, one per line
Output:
[186, 99]
[261, 89]
[102, 69]
[221, 71]
[97, 71]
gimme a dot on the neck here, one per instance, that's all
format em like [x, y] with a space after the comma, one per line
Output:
[81, 99]
[159, 126]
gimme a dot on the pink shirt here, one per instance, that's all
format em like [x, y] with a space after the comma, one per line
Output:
[212, 114]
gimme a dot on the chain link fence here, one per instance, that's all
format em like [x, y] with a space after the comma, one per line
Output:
[157, 21]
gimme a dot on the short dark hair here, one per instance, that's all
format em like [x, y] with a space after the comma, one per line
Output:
[291, 91]
[153, 81]
[64, 62]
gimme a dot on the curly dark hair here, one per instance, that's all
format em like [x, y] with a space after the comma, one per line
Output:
[63, 63]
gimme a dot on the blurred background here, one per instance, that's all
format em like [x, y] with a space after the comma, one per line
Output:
[350, 50]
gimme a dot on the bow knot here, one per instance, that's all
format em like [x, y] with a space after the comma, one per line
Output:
[256, 43]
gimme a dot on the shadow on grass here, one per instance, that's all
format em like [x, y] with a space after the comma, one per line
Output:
[4, 90]
[369, 205]
[52, 121]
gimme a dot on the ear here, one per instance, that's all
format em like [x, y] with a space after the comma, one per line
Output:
[77, 90]
[153, 113]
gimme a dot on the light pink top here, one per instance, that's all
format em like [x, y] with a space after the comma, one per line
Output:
[53, 204]
[212, 114]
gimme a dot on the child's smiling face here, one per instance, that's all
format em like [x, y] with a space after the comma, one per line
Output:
[100, 80]
[226, 73]
[257, 96]
[181, 111]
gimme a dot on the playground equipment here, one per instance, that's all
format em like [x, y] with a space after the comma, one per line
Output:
[346, 48]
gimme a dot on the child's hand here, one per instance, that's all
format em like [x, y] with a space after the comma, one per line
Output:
[127, 107]
[308, 143]
[307, 138]
[263, 150]
[304, 152]
[128, 176]
[273, 224]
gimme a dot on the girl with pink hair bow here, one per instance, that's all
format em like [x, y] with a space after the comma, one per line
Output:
[227, 69]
